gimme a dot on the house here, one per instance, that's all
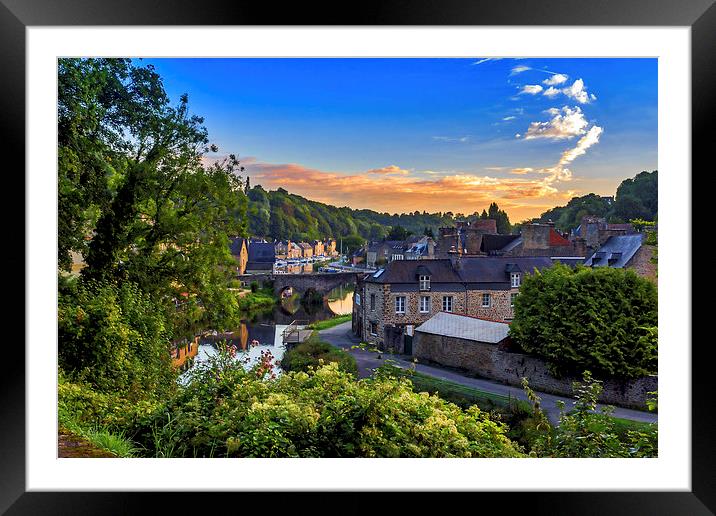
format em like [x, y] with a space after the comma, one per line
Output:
[294, 251]
[239, 250]
[262, 256]
[359, 256]
[329, 246]
[282, 249]
[391, 302]
[420, 248]
[383, 252]
[318, 249]
[465, 238]
[536, 239]
[306, 249]
[625, 252]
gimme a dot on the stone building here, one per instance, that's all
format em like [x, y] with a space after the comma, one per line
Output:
[465, 238]
[306, 249]
[391, 302]
[239, 250]
[318, 249]
[329, 245]
[626, 252]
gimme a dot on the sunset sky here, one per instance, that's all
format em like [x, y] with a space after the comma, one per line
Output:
[401, 135]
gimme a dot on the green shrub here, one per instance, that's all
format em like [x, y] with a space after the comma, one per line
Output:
[227, 411]
[601, 319]
[583, 432]
[114, 338]
[314, 352]
[254, 286]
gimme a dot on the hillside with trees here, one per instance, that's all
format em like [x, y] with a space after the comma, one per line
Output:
[280, 215]
[635, 198]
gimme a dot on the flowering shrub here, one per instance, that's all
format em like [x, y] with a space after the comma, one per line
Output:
[226, 410]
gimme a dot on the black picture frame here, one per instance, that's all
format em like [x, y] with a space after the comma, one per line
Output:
[17, 15]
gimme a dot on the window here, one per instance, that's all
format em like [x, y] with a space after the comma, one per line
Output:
[372, 302]
[373, 328]
[513, 296]
[486, 300]
[515, 279]
[400, 305]
[447, 303]
[397, 257]
[358, 299]
[424, 304]
[424, 282]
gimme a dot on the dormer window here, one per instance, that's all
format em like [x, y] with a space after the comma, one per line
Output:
[424, 282]
[515, 279]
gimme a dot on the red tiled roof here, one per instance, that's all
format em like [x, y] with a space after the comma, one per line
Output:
[555, 239]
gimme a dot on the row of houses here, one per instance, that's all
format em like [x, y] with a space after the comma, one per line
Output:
[256, 255]
[481, 273]
[288, 249]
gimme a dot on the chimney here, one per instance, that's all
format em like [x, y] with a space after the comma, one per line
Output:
[535, 236]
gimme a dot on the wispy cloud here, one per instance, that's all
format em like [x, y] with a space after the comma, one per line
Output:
[532, 89]
[521, 171]
[459, 139]
[565, 123]
[390, 169]
[486, 59]
[508, 118]
[519, 69]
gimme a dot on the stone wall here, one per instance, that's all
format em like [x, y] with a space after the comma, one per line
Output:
[499, 309]
[488, 361]
[642, 264]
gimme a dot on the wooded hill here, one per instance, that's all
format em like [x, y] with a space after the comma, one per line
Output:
[280, 215]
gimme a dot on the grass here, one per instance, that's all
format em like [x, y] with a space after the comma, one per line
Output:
[115, 443]
[330, 323]
[622, 426]
[261, 300]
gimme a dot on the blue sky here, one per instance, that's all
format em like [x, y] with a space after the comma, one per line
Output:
[429, 134]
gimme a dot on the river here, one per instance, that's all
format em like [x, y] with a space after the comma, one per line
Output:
[263, 331]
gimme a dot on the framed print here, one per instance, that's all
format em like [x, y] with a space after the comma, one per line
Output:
[644, 56]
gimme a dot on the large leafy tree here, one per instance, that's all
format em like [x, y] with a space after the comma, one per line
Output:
[135, 196]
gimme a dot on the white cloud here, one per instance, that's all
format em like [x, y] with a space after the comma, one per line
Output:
[564, 124]
[460, 139]
[551, 92]
[586, 141]
[532, 89]
[508, 118]
[521, 171]
[578, 92]
[557, 78]
[486, 59]
[519, 69]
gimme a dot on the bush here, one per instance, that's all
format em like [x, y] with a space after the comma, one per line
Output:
[586, 433]
[601, 319]
[254, 286]
[313, 353]
[227, 411]
[115, 339]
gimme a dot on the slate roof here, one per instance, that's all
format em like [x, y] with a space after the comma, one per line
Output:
[616, 251]
[495, 269]
[465, 327]
[261, 252]
[490, 270]
[496, 242]
[406, 271]
[235, 245]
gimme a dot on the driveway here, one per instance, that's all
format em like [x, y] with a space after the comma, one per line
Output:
[341, 336]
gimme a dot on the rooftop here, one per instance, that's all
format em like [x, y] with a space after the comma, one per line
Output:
[465, 327]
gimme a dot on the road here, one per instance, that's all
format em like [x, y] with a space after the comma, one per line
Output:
[342, 337]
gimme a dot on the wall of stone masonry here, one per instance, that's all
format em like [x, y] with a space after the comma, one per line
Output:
[641, 262]
[488, 361]
[499, 309]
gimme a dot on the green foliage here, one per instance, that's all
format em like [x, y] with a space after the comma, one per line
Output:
[257, 301]
[601, 319]
[330, 323]
[114, 338]
[635, 198]
[313, 353]
[227, 411]
[398, 233]
[254, 286]
[583, 432]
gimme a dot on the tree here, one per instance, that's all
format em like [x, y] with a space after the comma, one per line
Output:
[397, 233]
[601, 319]
[158, 218]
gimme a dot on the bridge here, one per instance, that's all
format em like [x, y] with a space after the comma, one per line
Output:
[302, 283]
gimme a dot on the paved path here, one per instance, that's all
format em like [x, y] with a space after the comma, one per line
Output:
[342, 337]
